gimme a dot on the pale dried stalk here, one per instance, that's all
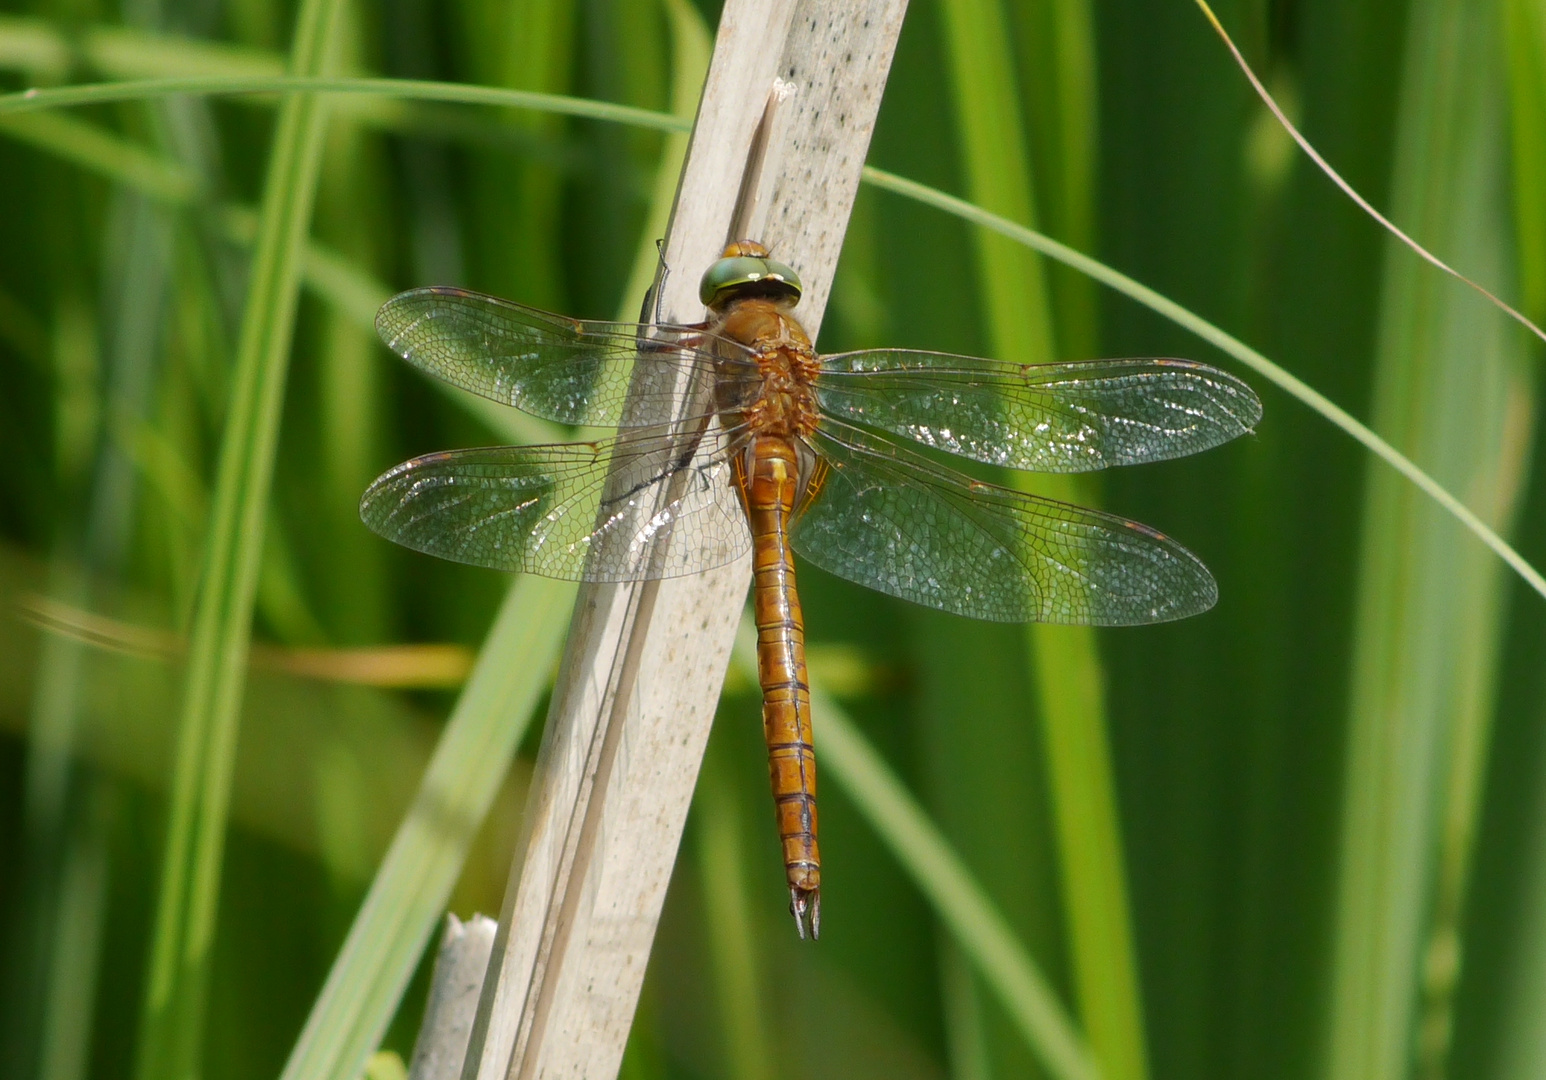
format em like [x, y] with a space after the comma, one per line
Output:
[454, 988]
[644, 664]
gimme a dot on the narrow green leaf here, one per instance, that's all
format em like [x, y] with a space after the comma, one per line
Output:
[63, 903]
[1519, 1050]
[353, 406]
[409, 892]
[1525, 42]
[46, 51]
[721, 852]
[172, 1023]
[109, 155]
[412, 89]
[526, 45]
[1065, 660]
[1452, 391]
[691, 45]
[1057, 52]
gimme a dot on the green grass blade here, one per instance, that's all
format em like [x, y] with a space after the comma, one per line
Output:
[172, 1023]
[1519, 1051]
[50, 54]
[1525, 37]
[1095, 895]
[1058, 63]
[998, 173]
[410, 89]
[1229, 345]
[333, 276]
[352, 402]
[102, 152]
[691, 46]
[63, 900]
[939, 874]
[1065, 660]
[960, 902]
[721, 851]
[335, 279]
[409, 892]
[527, 45]
[1452, 390]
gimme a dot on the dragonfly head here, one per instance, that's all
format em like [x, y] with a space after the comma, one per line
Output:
[745, 270]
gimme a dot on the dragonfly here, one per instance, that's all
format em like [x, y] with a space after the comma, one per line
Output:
[785, 451]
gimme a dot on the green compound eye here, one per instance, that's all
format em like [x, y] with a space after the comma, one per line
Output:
[731, 275]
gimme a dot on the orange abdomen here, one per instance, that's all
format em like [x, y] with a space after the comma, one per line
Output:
[771, 490]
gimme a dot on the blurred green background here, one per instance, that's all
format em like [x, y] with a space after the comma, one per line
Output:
[1303, 835]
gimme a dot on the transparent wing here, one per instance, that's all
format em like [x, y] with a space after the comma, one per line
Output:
[568, 370]
[891, 520]
[1074, 417]
[668, 510]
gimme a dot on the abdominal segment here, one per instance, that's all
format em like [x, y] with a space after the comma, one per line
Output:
[771, 490]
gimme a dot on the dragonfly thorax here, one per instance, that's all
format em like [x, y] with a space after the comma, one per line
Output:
[783, 404]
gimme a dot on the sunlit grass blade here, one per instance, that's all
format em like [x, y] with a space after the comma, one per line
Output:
[721, 853]
[1058, 61]
[527, 45]
[408, 895]
[1525, 38]
[1452, 390]
[172, 1025]
[46, 51]
[1064, 660]
[960, 902]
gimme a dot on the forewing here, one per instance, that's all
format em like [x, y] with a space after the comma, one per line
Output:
[568, 370]
[552, 510]
[1062, 418]
[893, 521]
